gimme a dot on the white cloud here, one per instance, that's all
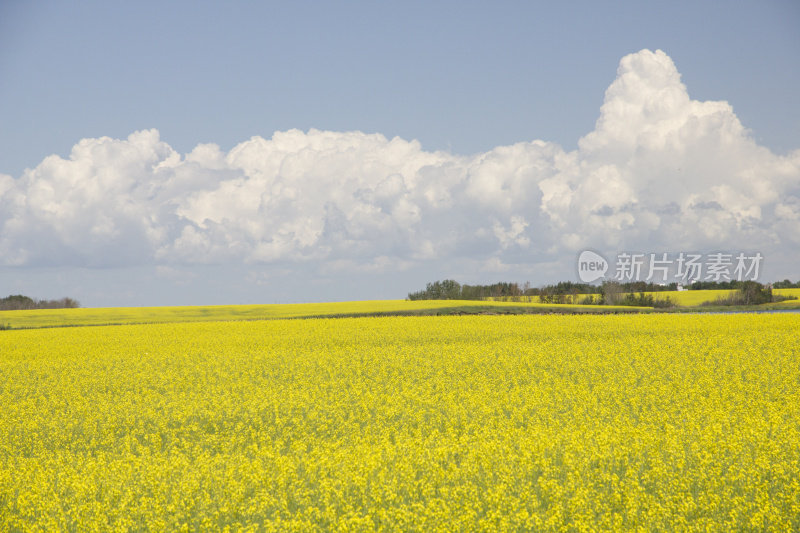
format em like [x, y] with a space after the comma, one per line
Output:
[515, 234]
[660, 171]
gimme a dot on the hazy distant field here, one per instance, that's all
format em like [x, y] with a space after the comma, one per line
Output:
[575, 423]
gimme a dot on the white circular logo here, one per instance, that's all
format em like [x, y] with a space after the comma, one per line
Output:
[591, 266]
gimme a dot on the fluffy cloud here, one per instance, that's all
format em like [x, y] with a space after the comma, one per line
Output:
[660, 171]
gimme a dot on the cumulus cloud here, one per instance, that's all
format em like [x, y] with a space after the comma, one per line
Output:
[660, 171]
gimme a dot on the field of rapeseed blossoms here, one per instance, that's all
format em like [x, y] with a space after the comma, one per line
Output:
[553, 423]
[43, 318]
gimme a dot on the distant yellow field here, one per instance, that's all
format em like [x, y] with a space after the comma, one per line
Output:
[147, 315]
[788, 292]
[680, 298]
[137, 315]
[649, 422]
[683, 298]
[691, 298]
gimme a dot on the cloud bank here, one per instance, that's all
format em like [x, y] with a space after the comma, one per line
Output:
[659, 172]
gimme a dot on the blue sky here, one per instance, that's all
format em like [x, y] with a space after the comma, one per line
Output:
[461, 78]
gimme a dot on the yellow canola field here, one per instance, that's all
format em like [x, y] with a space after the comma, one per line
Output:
[687, 298]
[691, 298]
[680, 298]
[788, 292]
[694, 298]
[42, 318]
[495, 423]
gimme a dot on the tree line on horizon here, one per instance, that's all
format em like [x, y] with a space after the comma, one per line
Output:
[18, 302]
